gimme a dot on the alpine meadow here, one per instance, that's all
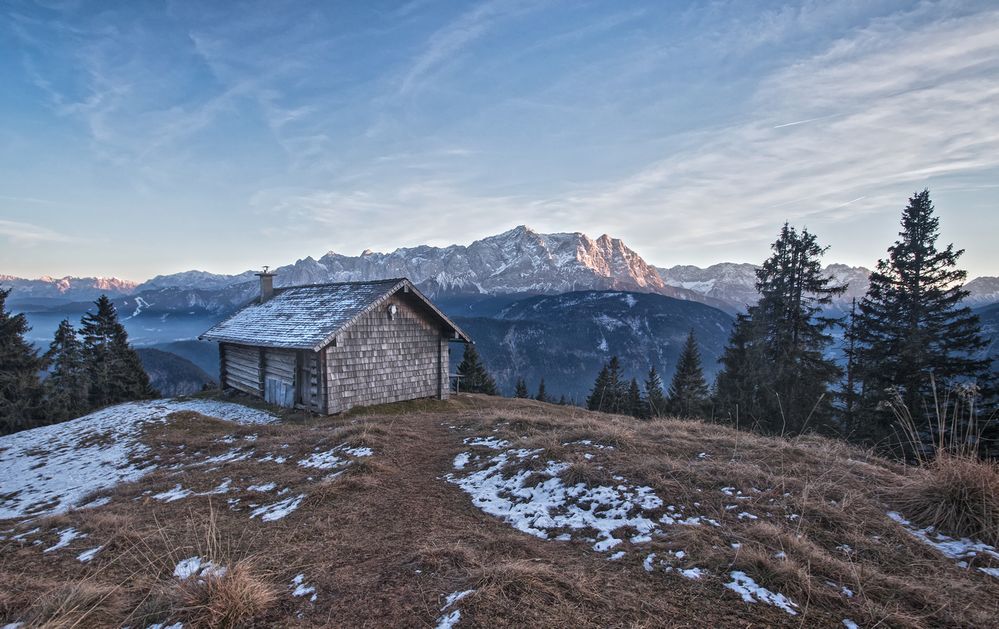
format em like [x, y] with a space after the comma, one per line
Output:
[507, 313]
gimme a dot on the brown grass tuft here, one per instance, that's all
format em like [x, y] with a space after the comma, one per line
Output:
[956, 494]
[230, 600]
[587, 474]
[83, 604]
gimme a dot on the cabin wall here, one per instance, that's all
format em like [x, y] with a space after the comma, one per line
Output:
[379, 360]
[279, 376]
[240, 368]
[273, 374]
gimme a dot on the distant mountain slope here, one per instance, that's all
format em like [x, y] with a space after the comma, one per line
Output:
[734, 284]
[51, 289]
[989, 316]
[567, 338]
[171, 374]
[984, 290]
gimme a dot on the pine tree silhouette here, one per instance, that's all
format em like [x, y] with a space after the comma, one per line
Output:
[20, 388]
[912, 329]
[114, 369]
[688, 391]
[473, 377]
[67, 389]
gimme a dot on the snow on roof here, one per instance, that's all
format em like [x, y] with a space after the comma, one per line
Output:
[309, 317]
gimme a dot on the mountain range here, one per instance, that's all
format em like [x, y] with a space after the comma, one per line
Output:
[520, 261]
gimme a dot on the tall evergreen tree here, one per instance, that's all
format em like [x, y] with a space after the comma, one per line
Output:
[67, 389]
[542, 395]
[520, 390]
[114, 369]
[20, 387]
[738, 387]
[688, 391]
[849, 391]
[599, 397]
[634, 404]
[655, 401]
[473, 376]
[775, 370]
[608, 394]
[912, 328]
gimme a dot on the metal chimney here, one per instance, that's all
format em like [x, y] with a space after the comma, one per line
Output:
[266, 284]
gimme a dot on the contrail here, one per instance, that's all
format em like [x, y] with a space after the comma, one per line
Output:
[792, 124]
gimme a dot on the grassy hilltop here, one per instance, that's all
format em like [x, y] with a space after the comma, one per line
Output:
[476, 512]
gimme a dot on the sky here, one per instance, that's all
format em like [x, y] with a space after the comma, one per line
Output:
[148, 137]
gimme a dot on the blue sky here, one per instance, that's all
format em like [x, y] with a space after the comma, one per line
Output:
[139, 138]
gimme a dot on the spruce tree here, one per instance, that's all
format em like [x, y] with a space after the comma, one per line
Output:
[775, 372]
[562, 401]
[913, 330]
[849, 392]
[20, 387]
[67, 389]
[599, 397]
[542, 395]
[113, 367]
[609, 392]
[688, 391]
[634, 405]
[738, 387]
[655, 401]
[615, 387]
[473, 377]
[520, 389]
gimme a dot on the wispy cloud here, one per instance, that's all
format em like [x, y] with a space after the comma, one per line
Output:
[445, 45]
[20, 233]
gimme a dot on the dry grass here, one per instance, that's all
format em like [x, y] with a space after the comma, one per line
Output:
[84, 604]
[385, 542]
[956, 494]
[234, 599]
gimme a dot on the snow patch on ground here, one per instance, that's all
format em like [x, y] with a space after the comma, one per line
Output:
[65, 537]
[300, 588]
[962, 549]
[176, 493]
[751, 592]
[486, 442]
[53, 468]
[277, 510]
[87, 555]
[450, 619]
[546, 504]
[197, 567]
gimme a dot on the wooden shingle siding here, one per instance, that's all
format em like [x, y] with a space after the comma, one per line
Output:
[241, 368]
[378, 360]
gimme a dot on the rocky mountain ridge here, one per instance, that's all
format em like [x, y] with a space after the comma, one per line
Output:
[520, 261]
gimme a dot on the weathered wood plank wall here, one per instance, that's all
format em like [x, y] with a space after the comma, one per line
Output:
[241, 368]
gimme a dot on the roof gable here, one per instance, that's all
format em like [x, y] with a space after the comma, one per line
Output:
[310, 317]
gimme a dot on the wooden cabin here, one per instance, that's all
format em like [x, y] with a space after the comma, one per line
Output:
[329, 347]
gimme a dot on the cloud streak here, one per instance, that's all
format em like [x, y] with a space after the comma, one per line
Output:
[20, 233]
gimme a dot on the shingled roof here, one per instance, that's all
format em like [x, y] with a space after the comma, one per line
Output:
[310, 317]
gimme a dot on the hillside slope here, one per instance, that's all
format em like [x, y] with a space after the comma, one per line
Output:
[172, 374]
[567, 338]
[473, 512]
